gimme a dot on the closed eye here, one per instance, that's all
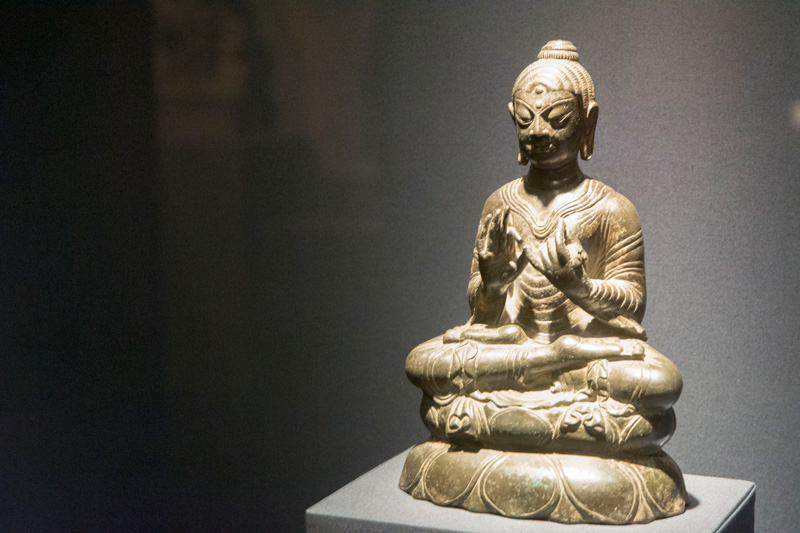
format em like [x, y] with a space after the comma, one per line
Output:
[524, 121]
[559, 116]
[523, 117]
[523, 114]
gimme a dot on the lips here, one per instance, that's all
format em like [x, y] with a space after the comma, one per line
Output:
[544, 146]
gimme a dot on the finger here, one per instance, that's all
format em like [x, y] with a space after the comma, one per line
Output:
[564, 229]
[490, 223]
[552, 252]
[484, 226]
[511, 272]
[513, 242]
[506, 215]
[483, 240]
[510, 229]
[522, 260]
[503, 231]
[498, 222]
[481, 233]
[485, 247]
[561, 233]
[562, 253]
[576, 255]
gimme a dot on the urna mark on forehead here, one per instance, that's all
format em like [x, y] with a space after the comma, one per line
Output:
[542, 93]
[543, 81]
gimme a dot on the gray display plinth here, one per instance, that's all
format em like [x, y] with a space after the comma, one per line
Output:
[374, 503]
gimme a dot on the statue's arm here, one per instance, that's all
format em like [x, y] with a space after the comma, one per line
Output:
[616, 291]
[486, 305]
[622, 291]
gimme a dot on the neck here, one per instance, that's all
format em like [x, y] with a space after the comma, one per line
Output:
[552, 179]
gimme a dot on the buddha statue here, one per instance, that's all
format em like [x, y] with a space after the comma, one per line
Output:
[549, 403]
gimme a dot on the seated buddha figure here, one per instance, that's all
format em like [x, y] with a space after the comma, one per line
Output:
[548, 403]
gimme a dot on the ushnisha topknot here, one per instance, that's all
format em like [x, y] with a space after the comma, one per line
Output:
[558, 67]
[559, 50]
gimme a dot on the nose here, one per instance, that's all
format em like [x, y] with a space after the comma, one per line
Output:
[539, 127]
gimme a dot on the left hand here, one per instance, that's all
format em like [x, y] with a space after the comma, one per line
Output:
[562, 260]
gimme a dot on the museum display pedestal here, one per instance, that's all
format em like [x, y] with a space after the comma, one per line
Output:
[374, 503]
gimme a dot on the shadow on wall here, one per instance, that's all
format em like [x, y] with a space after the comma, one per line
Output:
[270, 184]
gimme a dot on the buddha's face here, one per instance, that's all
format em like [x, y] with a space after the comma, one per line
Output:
[549, 125]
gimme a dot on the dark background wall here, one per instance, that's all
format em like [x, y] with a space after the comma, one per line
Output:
[226, 223]
[82, 443]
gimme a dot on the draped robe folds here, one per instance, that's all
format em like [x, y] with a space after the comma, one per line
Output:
[607, 226]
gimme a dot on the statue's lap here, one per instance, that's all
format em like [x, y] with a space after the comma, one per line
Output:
[600, 406]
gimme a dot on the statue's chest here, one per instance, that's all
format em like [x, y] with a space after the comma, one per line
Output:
[538, 221]
[540, 224]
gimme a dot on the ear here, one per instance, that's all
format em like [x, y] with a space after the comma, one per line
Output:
[588, 134]
[511, 110]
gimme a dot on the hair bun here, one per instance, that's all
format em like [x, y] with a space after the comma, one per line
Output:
[559, 50]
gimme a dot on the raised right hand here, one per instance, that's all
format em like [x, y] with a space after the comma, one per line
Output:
[501, 257]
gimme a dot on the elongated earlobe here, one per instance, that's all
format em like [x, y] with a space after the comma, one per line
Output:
[587, 147]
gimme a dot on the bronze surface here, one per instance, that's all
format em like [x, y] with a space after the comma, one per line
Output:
[548, 403]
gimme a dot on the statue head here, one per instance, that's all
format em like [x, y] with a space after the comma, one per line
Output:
[553, 108]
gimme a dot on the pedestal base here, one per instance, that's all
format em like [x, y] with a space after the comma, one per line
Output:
[546, 486]
[373, 503]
